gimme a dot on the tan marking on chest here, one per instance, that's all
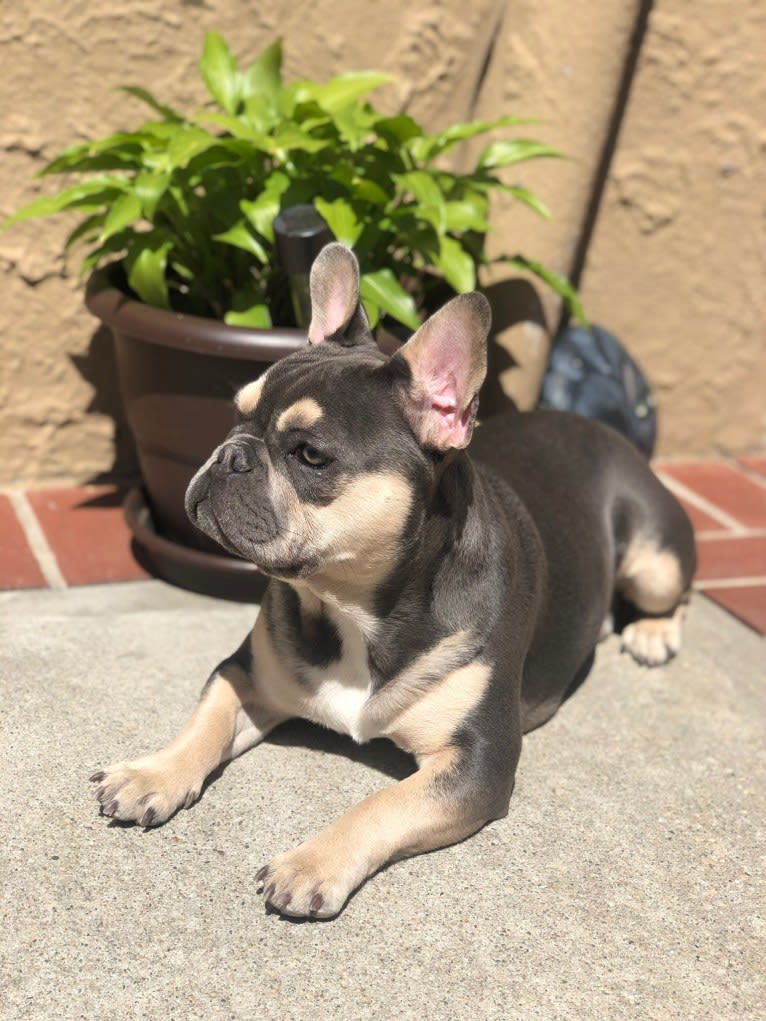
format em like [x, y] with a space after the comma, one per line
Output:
[300, 415]
[419, 708]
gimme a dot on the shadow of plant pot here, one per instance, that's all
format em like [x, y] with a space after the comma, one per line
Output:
[177, 374]
[518, 350]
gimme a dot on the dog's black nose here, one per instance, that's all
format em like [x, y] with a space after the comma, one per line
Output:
[237, 457]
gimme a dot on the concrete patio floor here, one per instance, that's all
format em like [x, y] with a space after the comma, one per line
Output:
[626, 882]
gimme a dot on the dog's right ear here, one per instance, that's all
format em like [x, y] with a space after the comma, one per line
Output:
[336, 312]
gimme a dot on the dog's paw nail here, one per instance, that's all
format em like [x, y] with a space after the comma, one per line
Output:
[148, 817]
[317, 901]
[97, 777]
[191, 797]
[268, 893]
[261, 874]
[111, 808]
[100, 793]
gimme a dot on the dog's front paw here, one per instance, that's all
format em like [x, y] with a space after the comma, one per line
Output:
[653, 640]
[147, 791]
[305, 883]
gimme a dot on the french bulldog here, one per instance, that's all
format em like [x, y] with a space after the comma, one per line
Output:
[442, 595]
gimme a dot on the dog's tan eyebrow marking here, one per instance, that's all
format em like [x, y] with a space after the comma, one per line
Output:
[247, 398]
[300, 415]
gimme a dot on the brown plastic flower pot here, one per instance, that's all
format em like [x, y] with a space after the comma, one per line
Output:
[178, 374]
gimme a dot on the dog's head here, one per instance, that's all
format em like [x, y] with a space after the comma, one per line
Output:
[339, 447]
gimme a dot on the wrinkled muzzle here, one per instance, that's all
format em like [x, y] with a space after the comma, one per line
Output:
[238, 500]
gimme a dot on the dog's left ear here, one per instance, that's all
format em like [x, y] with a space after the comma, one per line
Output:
[445, 363]
[336, 312]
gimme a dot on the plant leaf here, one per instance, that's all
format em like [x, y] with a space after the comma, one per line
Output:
[347, 88]
[423, 187]
[86, 194]
[124, 148]
[187, 143]
[219, 71]
[248, 309]
[264, 77]
[341, 219]
[365, 190]
[431, 146]
[124, 212]
[146, 97]
[383, 290]
[262, 210]
[146, 264]
[116, 243]
[149, 188]
[353, 124]
[464, 214]
[91, 225]
[399, 129]
[240, 237]
[515, 150]
[239, 128]
[371, 311]
[428, 195]
[529, 199]
[456, 265]
[554, 280]
[292, 137]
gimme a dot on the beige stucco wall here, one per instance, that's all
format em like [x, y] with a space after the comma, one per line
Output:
[58, 399]
[677, 266]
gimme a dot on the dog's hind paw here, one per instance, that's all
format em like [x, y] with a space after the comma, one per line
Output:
[652, 641]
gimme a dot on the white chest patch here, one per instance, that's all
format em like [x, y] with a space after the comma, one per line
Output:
[341, 692]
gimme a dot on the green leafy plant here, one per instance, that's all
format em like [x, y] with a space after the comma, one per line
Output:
[184, 204]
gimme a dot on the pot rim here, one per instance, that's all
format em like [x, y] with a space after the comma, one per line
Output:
[128, 316]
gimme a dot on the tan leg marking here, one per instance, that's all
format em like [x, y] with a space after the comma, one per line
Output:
[652, 641]
[247, 398]
[651, 579]
[413, 816]
[225, 723]
[430, 722]
[301, 415]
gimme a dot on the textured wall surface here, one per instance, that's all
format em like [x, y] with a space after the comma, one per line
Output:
[569, 79]
[59, 409]
[677, 266]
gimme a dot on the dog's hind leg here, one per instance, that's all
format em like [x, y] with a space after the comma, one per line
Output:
[656, 582]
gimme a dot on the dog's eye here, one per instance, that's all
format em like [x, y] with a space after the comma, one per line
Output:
[311, 456]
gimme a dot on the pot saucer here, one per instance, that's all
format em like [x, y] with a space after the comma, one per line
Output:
[222, 576]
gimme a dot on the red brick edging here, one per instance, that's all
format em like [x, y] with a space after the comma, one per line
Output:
[77, 535]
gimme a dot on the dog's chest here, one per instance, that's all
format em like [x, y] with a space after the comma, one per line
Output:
[340, 692]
